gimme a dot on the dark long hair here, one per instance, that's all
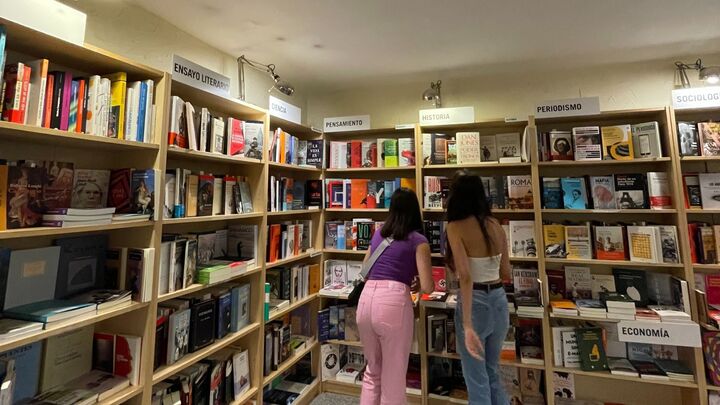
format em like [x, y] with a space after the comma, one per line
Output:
[404, 215]
[467, 198]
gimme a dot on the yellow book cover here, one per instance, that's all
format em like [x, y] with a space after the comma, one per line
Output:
[118, 89]
[617, 142]
[563, 304]
[554, 238]
[407, 182]
[3, 196]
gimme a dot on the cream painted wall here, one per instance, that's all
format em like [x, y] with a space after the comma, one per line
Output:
[130, 31]
[627, 86]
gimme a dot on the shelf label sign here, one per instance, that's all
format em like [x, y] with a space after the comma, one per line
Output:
[192, 74]
[343, 124]
[447, 116]
[700, 97]
[568, 107]
[662, 333]
[283, 109]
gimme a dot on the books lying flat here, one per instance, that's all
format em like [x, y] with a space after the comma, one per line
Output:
[217, 271]
[76, 218]
[649, 370]
[67, 396]
[621, 366]
[671, 315]
[100, 383]
[675, 370]
[11, 329]
[564, 307]
[50, 311]
[276, 304]
[105, 299]
[129, 217]
[68, 224]
[81, 211]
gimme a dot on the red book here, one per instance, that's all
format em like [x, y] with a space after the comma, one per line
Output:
[692, 231]
[47, 107]
[335, 194]
[712, 290]
[24, 93]
[127, 357]
[356, 154]
[358, 193]
[80, 106]
[438, 275]
[14, 75]
[120, 195]
[65, 102]
[236, 138]
[274, 243]
[373, 154]
[296, 247]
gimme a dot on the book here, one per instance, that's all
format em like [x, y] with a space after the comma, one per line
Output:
[649, 370]
[522, 239]
[602, 283]
[646, 140]
[688, 138]
[529, 332]
[27, 360]
[588, 143]
[552, 193]
[23, 195]
[556, 284]
[644, 244]
[526, 287]
[632, 283]
[709, 190]
[602, 189]
[709, 138]
[631, 191]
[691, 188]
[508, 147]
[592, 351]
[574, 193]
[578, 283]
[57, 191]
[390, 152]
[659, 190]
[50, 311]
[554, 239]
[406, 152]
[468, 147]
[577, 242]
[621, 366]
[617, 142]
[143, 192]
[81, 266]
[90, 188]
[609, 243]
[561, 146]
[520, 192]
[31, 276]
[101, 384]
[205, 194]
[235, 137]
[66, 357]
[669, 244]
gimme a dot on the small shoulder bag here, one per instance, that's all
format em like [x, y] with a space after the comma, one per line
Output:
[354, 296]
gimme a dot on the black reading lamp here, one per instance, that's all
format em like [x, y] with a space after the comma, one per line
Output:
[708, 74]
[432, 93]
[280, 85]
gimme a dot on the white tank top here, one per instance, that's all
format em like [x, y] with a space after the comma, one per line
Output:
[485, 269]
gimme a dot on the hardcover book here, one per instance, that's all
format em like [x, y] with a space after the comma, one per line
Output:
[688, 138]
[24, 196]
[617, 142]
[577, 242]
[592, 351]
[90, 188]
[31, 276]
[574, 193]
[588, 143]
[57, 192]
[602, 189]
[81, 265]
[709, 138]
[632, 283]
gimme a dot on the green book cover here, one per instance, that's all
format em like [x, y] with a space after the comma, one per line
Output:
[592, 352]
[266, 306]
[390, 152]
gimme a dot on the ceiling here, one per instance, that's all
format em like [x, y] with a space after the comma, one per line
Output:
[326, 44]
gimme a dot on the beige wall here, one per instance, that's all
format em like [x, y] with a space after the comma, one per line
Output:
[137, 34]
[628, 86]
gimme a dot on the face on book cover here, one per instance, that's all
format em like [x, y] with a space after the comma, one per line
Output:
[89, 195]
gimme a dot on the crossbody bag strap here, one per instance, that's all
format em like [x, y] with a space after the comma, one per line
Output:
[374, 256]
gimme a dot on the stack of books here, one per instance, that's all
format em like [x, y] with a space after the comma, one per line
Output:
[591, 308]
[105, 299]
[564, 307]
[675, 370]
[530, 312]
[619, 306]
[644, 314]
[668, 314]
[67, 217]
[50, 311]
[12, 329]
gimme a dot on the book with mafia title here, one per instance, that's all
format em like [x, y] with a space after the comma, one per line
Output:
[602, 190]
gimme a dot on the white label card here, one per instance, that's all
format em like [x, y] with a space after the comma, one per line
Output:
[282, 109]
[192, 74]
[349, 123]
[447, 116]
[568, 107]
[700, 97]
[662, 333]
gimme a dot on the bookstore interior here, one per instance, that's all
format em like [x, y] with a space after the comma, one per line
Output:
[179, 225]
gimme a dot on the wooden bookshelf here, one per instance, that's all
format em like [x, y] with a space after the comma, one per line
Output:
[211, 218]
[293, 212]
[607, 375]
[40, 231]
[244, 398]
[291, 259]
[370, 169]
[123, 396]
[200, 287]
[297, 168]
[188, 154]
[293, 306]
[285, 366]
[353, 343]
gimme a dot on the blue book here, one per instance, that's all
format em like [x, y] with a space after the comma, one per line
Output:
[341, 322]
[49, 311]
[27, 369]
[341, 242]
[2, 51]
[552, 193]
[72, 115]
[389, 190]
[224, 315]
[574, 193]
[142, 112]
[334, 322]
[324, 325]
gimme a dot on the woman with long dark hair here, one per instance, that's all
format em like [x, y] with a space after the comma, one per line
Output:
[385, 311]
[477, 252]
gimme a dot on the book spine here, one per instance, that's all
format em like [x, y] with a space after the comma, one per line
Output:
[141, 119]
[65, 102]
[266, 305]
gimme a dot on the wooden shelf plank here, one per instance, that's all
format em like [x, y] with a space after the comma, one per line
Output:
[713, 388]
[211, 218]
[369, 169]
[293, 212]
[612, 212]
[583, 318]
[293, 128]
[47, 136]
[482, 165]
[699, 158]
[301, 256]
[123, 396]
[353, 343]
[345, 252]
[52, 231]
[192, 358]
[71, 324]
[199, 287]
[624, 263]
[494, 211]
[175, 152]
[309, 394]
[571, 163]
[357, 210]
[607, 375]
[295, 305]
[244, 398]
[703, 211]
[285, 366]
[285, 166]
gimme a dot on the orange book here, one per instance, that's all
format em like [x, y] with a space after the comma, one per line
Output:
[358, 193]
[281, 145]
[80, 106]
[296, 245]
[3, 196]
[563, 304]
[47, 109]
[407, 182]
[314, 279]
[355, 154]
[274, 243]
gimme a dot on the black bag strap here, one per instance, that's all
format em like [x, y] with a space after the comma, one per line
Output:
[374, 256]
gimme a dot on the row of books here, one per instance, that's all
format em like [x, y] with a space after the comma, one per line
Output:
[288, 149]
[206, 257]
[512, 192]
[639, 243]
[221, 378]
[620, 191]
[338, 322]
[383, 152]
[288, 239]
[704, 239]
[698, 138]
[339, 277]
[353, 234]
[471, 147]
[614, 142]
[292, 385]
[206, 132]
[291, 284]
[288, 194]
[363, 193]
[583, 347]
[107, 105]
[286, 336]
[188, 324]
[701, 190]
[36, 193]
[189, 194]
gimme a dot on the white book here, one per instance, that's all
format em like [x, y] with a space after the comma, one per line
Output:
[468, 147]
[134, 104]
[36, 92]
[104, 107]
[204, 125]
[217, 196]
[427, 148]
[177, 108]
[710, 190]
[92, 119]
[588, 143]
[165, 263]
[557, 332]
[522, 239]
[659, 190]
[406, 152]
[488, 148]
[241, 373]
[644, 244]
[669, 244]
[218, 135]
[130, 114]
[571, 351]
[646, 140]
[190, 125]
[381, 152]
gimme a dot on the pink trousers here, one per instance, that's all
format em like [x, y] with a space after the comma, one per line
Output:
[385, 322]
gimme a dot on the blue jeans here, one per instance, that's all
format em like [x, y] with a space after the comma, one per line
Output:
[491, 320]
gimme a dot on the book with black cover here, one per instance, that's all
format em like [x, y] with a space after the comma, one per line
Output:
[631, 191]
[632, 283]
[224, 313]
[313, 193]
[202, 323]
[315, 153]
[592, 352]
[649, 370]
[82, 264]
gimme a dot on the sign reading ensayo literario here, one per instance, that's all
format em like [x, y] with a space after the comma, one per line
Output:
[192, 74]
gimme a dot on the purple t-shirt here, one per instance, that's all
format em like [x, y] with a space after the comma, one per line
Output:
[397, 262]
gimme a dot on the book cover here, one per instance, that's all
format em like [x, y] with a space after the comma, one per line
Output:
[688, 138]
[578, 283]
[31, 276]
[315, 153]
[577, 242]
[81, 265]
[57, 192]
[235, 137]
[364, 234]
[709, 138]
[127, 357]
[202, 323]
[592, 351]
[588, 143]
[66, 357]
[529, 341]
[27, 369]
[508, 147]
[178, 335]
[522, 239]
[602, 189]
[406, 152]
[527, 289]
[468, 147]
[570, 349]
[574, 193]
[602, 283]
[617, 142]
[432, 192]
[609, 243]
[659, 190]
[390, 152]
[120, 193]
[632, 283]
[90, 188]
[556, 284]
[552, 193]
[217, 134]
[644, 244]
[691, 187]
[205, 194]
[143, 188]
[631, 191]
[669, 244]
[24, 196]
[488, 148]
[520, 192]
[646, 140]
[710, 190]
[118, 84]
[561, 146]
